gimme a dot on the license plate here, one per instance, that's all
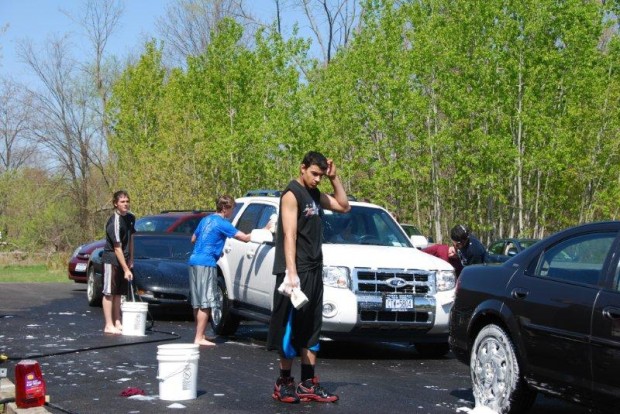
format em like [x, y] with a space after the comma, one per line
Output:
[398, 302]
[80, 267]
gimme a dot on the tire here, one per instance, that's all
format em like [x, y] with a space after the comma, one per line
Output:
[496, 377]
[94, 287]
[223, 321]
[430, 350]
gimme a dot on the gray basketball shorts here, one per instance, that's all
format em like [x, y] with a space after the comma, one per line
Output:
[203, 286]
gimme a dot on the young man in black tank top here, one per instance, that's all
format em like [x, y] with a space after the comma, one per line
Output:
[298, 262]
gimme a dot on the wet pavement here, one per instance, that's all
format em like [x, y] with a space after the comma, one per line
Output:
[86, 371]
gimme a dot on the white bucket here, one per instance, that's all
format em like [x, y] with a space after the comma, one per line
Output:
[134, 318]
[178, 371]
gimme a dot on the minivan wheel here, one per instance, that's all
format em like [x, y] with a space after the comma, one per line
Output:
[94, 288]
[223, 321]
[495, 373]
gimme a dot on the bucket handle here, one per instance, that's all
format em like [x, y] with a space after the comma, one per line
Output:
[187, 364]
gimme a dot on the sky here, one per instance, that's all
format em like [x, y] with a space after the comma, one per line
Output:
[38, 20]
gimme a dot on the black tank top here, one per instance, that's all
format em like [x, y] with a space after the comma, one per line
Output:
[309, 230]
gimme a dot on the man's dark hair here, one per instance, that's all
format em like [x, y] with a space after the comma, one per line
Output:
[117, 195]
[459, 233]
[315, 158]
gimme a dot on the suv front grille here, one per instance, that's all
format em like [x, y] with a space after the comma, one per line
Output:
[371, 285]
[419, 282]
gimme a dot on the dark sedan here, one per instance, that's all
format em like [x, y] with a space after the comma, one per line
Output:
[160, 270]
[173, 221]
[546, 320]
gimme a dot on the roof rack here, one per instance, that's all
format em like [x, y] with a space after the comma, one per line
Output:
[264, 193]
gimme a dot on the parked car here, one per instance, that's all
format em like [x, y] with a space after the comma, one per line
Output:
[171, 221]
[546, 320]
[504, 249]
[160, 270]
[377, 286]
[417, 238]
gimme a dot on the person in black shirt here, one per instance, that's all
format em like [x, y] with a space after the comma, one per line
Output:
[469, 249]
[298, 263]
[117, 261]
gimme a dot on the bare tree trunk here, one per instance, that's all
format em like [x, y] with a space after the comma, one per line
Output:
[519, 145]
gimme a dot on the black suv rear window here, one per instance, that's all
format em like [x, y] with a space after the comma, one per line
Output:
[157, 224]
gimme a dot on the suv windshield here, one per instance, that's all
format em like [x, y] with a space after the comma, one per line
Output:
[363, 225]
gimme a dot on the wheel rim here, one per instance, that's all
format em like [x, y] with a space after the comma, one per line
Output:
[492, 373]
[90, 285]
[216, 312]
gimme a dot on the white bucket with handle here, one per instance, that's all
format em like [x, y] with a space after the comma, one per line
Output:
[134, 318]
[178, 371]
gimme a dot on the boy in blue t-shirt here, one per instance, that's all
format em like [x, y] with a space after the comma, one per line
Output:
[209, 239]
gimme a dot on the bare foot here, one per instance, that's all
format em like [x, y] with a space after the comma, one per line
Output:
[112, 330]
[204, 342]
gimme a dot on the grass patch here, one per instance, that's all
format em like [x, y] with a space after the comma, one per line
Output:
[39, 273]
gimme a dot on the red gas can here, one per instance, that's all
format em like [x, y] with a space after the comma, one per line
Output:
[29, 384]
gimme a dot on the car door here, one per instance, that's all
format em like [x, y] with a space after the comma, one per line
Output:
[260, 264]
[606, 341]
[554, 299]
[248, 287]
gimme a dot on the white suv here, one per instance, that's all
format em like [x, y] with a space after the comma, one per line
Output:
[377, 285]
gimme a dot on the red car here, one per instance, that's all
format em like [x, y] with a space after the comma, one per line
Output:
[175, 221]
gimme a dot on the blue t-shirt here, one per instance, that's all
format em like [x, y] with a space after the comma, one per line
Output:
[211, 234]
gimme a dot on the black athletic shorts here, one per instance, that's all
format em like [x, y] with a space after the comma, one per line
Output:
[290, 329]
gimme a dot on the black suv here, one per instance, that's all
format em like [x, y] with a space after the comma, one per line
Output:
[546, 320]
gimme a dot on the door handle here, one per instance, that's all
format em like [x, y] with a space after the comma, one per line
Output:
[519, 293]
[611, 312]
[227, 249]
[250, 254]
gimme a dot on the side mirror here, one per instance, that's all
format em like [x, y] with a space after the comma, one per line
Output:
[261, 236]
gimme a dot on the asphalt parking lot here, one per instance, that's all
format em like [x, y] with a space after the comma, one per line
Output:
[86, 371]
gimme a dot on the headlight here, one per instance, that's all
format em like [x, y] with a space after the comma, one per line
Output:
[445, 280]
[336, 277]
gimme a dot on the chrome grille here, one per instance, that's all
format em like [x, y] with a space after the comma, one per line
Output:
[419, 282]
[371, 284]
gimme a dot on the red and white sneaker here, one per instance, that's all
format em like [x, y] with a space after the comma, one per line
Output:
[284, 390]
[311, 390]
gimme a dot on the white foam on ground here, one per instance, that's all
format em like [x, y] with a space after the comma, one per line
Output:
[176, 405]
[476, 410]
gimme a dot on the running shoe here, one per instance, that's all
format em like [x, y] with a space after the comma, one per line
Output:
[284, 390]
[311, 390]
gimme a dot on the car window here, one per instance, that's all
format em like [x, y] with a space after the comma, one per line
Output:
[527, 243]
[265, 215]
[250, 217]
[411, 230]
[497, 248]
[156, 224]
[188, 226]
[236, 209]
[577, 259]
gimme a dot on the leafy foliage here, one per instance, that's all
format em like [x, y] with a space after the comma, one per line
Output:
[500, 115]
